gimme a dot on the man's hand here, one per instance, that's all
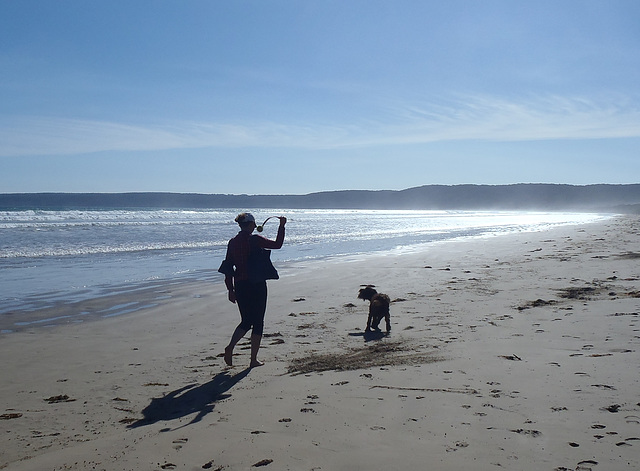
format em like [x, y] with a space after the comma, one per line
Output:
[232, 296]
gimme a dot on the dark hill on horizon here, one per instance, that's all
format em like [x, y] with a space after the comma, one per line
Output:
[529, 196]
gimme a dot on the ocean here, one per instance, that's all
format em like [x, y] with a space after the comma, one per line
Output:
[56, 258]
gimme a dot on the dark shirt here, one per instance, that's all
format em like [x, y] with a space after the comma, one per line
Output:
[238, 251]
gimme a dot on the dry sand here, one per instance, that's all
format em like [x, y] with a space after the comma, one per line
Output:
[516, 352]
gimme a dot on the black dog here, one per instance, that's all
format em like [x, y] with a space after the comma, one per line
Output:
[378, 307]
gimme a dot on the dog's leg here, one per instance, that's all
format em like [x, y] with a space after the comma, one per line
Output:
[387, 318]
[376, 323]
[368, 329]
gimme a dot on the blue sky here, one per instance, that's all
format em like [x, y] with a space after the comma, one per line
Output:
[292, 97]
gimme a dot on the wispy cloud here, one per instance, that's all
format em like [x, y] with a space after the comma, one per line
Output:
[488, 118]
[467, 118]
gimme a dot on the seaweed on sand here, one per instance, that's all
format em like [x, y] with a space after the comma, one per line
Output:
[387, 353]
[577, 293]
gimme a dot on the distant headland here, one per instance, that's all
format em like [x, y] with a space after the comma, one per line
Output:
[523, 196]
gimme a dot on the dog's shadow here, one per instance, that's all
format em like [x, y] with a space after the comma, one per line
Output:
[370, 335]
[189, 399]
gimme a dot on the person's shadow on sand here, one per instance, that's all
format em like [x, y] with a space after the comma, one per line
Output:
[189, 399]
[370, 335]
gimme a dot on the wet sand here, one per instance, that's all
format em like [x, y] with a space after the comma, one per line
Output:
[514, 352]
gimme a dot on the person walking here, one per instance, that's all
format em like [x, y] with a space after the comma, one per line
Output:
[245, 288]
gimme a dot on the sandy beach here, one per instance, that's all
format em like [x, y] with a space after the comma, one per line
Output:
[516, 352]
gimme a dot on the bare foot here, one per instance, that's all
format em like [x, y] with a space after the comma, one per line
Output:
[256, 363]
[228, 356]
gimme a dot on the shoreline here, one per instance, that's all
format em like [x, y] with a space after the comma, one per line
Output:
[94, 303]
[515, 352]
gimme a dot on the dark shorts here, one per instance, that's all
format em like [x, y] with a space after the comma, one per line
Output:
[252, 303]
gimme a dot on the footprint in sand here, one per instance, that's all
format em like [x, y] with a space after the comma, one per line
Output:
[209, 465]
[632, 419]
[263, 463]
[456, 446]
[532, 433]
[58, 399]
[10, 415]
[586, 465]
[312, 399]
[177, 444]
